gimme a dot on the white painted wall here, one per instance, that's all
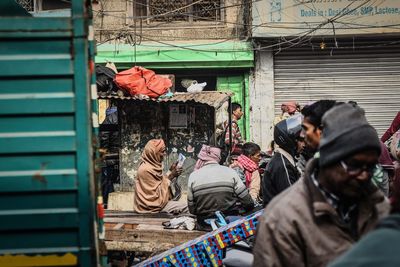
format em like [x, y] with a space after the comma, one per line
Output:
[262, 99]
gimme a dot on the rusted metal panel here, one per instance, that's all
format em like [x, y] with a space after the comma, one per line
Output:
[141, 121]
[212, 98]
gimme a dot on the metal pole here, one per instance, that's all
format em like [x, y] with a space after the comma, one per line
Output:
[230, 126]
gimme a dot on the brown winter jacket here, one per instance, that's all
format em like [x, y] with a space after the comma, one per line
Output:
[299, 228]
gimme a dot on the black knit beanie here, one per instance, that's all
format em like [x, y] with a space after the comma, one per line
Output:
[345, 132]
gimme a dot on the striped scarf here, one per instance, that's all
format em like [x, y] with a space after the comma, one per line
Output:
[249, 167]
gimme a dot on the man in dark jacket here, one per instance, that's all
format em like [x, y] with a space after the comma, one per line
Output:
[281, 171]
[379, 248]
[323, 214]
[109, 142]
[109, 137]
[312, 129]
[312, 122]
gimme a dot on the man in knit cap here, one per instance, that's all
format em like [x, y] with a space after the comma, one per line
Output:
[323, 214]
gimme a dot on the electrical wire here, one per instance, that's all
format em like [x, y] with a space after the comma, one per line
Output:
[191, 13]
[301, 39]
[293, 41]
[267, 25]
[210, 9]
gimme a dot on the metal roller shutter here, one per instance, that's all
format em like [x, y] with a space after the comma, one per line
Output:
[368, 73]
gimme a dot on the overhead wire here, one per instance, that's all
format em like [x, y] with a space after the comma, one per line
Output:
[301, 36]
[191, 13]
[301, 39]
[210, 9]
[267, 25]
[329, 20]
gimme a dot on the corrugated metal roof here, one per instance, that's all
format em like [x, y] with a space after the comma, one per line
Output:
[212, 98]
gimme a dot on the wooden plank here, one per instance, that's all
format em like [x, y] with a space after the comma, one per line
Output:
[152, 248]
[148, 238]
[153, 221]
[128, 214]
[159, 227]
[118, 226]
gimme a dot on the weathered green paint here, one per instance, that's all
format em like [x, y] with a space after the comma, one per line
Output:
[55, 66]
[50, 200]
[43, 239]
[56, 123]
[59, 48]
[238, 85]
[36, 182]
[38, 162]
[37, 105]
[46, 178]
[247, 105]
[37, 84]
[234, 54]
[27, 144]
[54, 25]
[46, 218]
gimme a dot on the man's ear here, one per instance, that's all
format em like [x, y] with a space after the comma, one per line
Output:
[319, 131]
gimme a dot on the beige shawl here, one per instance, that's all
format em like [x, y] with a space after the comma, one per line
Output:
[151, 187]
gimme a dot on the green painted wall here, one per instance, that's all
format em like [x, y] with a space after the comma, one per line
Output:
[240, 86]
[184, 56]
[47, 204]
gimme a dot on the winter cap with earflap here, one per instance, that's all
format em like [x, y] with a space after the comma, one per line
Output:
[345, 133]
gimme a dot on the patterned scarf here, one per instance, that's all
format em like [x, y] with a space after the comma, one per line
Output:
[249, 167]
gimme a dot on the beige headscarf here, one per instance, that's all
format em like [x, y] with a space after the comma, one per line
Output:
[151, 187]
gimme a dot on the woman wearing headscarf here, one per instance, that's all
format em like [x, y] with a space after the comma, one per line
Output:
[152, 193]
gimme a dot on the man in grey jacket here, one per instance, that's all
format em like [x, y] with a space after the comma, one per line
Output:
[323, 214]
[212, 187]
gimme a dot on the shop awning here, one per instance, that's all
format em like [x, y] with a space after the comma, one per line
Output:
[211, 98]
[178, 55]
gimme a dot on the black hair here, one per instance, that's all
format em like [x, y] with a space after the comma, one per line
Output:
[316, 111]
[235, 106]
[353, 103]
[250, 149]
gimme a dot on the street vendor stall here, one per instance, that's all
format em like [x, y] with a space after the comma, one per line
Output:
[185, 121]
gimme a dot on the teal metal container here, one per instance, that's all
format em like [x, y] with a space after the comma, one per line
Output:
[47, 196]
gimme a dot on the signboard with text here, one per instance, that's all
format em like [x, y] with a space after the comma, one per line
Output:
[275, 18]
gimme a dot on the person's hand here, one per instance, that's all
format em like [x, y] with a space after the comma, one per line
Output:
[175, 171]
[173, 166]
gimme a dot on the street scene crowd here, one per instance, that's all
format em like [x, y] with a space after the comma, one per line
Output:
[200, 133]
[329, 182]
